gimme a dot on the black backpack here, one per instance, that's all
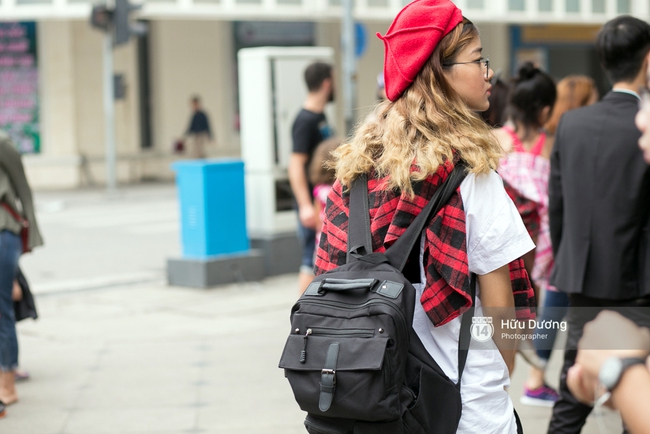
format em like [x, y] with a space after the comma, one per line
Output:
[353, 360]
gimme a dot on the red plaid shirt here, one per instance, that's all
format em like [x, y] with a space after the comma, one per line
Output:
[446, 294]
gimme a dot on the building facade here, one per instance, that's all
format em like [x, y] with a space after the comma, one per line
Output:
[191, 49]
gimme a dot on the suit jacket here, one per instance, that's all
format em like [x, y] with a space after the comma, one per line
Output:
[599, 201]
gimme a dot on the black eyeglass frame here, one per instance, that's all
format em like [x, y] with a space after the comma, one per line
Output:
[485, 61]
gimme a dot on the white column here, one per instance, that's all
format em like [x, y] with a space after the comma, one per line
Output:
[532, 9]
[7, 7]
[56, 68]
[586, 9]
[610, 8]
[559, 9]
[641, 9]
[499, 9]
[57, 166]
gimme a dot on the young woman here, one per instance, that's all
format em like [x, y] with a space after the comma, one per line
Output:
[13, 190]
[573, 91]
[436, 80]
[526, 166]
[525, 171]
[535, 115]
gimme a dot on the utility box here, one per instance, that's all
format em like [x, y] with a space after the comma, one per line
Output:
[215, 244]
[213, 209]
[272, 91]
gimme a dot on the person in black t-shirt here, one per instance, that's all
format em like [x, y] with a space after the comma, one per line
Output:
[309, 129]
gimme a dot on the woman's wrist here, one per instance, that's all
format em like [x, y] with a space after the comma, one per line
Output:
[631, 379]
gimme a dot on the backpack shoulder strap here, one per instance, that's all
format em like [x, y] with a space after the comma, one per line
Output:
[465, 329]
[398, 253]
[359, 237]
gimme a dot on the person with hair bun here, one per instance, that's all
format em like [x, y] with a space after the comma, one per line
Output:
[525, 167]
[573, 91]
[495, 115]
[437, 79]
[525, 170]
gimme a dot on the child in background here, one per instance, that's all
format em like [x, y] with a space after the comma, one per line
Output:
[321, 176]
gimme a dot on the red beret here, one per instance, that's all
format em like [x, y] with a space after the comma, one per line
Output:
[411, 39]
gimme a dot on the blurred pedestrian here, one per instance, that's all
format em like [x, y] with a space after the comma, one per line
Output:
[525, 170]
[642, 119]
[381, 97]
[437, 79]
[16, 207]
[309, 129]
[526, 166]
[643, 123]
[198, 132]
[495, 116]
[322, 176]
[24, 307]
[598, 202]
[573, 92]
[381, 88]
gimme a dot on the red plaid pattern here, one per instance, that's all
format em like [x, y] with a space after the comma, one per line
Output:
[447, 293]
[528, 210]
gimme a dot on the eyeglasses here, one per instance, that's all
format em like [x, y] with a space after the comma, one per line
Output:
[484, 61]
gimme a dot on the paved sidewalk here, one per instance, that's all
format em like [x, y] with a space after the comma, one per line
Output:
[155, 359]
[117, 351]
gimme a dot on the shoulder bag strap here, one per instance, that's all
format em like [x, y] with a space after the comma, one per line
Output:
[465, 328]
[359, 237]
[16, 216]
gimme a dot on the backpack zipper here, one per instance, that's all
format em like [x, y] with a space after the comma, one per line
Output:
[329, 332]
[335, 333]
[349, 306]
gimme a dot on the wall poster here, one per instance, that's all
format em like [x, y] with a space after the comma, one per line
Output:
[19, 113]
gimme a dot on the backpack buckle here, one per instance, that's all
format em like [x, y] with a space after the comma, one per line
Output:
[331, 372]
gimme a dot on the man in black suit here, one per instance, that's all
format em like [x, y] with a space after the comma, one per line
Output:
[599, 202]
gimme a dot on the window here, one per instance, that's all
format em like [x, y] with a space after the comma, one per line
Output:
[623, 6]
[573, 5]
[516, 5]
[598, 6]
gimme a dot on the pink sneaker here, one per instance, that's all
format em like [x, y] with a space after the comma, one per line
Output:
[543, 396]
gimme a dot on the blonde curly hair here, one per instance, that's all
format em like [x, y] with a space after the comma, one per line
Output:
[424, 127]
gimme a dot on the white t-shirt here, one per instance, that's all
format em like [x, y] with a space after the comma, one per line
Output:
[496, 236]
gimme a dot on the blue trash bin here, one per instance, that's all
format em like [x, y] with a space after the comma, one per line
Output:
[213, 208]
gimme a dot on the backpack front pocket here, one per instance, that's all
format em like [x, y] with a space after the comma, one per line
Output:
[337, 373]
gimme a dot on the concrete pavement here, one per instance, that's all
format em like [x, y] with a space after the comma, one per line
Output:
[116, 350]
